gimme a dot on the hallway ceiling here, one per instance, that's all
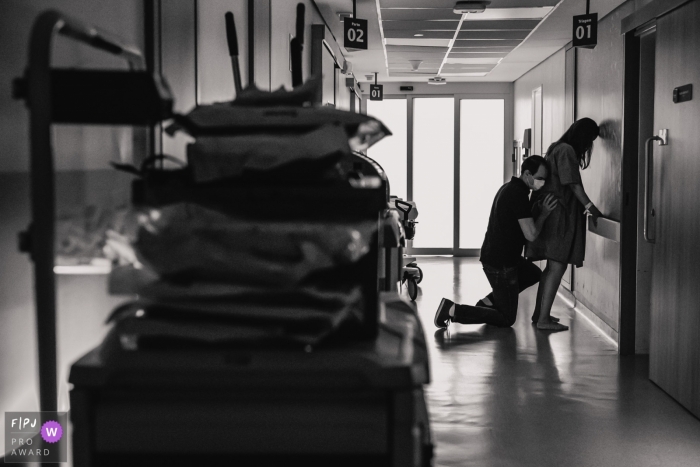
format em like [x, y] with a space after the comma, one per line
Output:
[501, 44]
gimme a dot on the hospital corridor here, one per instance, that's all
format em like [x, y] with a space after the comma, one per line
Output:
[349, 233]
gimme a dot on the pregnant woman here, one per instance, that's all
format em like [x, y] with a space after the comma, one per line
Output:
[563, 237]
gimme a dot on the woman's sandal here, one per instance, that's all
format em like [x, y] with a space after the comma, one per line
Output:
[552, 327]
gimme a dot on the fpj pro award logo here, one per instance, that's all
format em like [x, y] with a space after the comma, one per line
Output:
[35, 437]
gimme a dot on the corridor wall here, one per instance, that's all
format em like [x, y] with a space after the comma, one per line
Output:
[598, 95]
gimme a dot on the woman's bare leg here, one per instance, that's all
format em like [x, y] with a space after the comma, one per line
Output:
[538, 302]
[551, 280]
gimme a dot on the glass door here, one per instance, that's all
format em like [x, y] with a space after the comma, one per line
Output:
[433, 177]
[456, 166]
[392, 152]
[481, 166]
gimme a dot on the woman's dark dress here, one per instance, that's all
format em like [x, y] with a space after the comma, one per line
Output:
[563, 237]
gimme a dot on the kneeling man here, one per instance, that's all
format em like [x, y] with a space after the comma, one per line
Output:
[510, 224]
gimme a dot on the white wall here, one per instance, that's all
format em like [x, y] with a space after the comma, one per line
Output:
[214, 72]
[550, 75]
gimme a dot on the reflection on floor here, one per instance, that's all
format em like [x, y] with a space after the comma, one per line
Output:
[522, 397]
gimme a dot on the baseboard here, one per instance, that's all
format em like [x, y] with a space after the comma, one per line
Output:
[584, 311]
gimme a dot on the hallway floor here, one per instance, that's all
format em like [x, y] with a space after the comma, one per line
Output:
[522, 397]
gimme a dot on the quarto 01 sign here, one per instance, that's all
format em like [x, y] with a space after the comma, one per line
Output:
[376, 92]
[586, 31]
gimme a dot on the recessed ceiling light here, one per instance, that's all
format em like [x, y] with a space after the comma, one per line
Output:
[418, 35]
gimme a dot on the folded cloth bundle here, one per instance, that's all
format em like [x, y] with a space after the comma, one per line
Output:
[189, 242]
[241, 319]
[216, 157]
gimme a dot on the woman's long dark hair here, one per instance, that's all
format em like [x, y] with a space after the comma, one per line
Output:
[579, 136]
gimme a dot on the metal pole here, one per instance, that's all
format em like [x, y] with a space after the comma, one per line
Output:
[354, 9]
[588, 6]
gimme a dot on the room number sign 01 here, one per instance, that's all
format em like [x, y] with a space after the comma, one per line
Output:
[376, 92]
[355, 34]
[586, 31]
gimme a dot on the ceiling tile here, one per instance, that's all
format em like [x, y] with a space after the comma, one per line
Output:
[426, 34]
[447, 75]
[475, 55]
[472, 60]
[404, 14]
[527, 24]
[451, 3]
[420, 25]
[481, 49]
[491, 14]
[466, 69]
[498, 35]
[419, 41]
[413, 48]
[459, 43]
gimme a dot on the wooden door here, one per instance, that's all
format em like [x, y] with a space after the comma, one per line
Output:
[675, 301]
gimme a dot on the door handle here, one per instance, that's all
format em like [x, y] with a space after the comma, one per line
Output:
[649, 177]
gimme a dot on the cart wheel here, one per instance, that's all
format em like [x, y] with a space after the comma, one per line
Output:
[412, 288]
[420, 275]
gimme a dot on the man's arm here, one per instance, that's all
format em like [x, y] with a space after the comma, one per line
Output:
[531, 228]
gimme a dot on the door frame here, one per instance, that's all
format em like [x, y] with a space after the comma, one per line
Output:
[630, 188]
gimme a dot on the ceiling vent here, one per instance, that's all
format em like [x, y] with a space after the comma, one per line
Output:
[437, 80]
[476, 6]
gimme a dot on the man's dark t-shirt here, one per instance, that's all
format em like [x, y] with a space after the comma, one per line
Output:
[504, 240]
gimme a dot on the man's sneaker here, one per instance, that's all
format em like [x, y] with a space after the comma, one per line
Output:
[481, 303]
[442, 316]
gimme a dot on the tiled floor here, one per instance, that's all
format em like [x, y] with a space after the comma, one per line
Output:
[522, 397]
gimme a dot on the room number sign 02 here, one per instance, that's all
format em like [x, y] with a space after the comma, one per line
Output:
[355, 34]
[586, 31]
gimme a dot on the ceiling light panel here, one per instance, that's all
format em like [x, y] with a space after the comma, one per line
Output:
[491, 14]
[452, 67]
[419, 41]
[417, 49]
[404, 74]
[451, 3]
[460, 43]
[477, 55]
[394, 56]
[472, 60]
[413, 14]
[428, 34]
[482, 49]
[493, 35]
[497, 25]
[510, 14]
[420, 25]
[465, 75]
